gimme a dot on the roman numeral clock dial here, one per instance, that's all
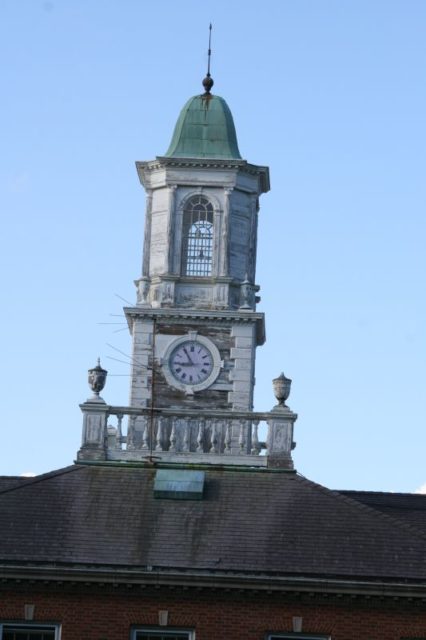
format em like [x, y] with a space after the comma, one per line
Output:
[191, 363]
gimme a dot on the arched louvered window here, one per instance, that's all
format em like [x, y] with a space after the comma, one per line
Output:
[197, 238]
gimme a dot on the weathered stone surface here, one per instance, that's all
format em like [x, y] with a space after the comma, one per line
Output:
[233, 190]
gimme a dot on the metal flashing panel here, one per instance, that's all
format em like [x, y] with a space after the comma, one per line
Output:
[179, 484]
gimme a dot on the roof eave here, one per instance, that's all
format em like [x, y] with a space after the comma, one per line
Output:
[147, 576]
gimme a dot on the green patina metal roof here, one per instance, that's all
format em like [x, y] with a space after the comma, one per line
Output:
[205, 129]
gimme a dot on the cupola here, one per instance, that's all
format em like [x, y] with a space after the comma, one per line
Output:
[205, 129]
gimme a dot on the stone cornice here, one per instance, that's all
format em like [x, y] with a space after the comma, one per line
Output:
[200, 315]
[195, 314]
[161, 162]
[210, 579]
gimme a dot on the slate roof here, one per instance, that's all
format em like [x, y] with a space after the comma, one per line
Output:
[407, 507]
[6, 482]
[257, 521]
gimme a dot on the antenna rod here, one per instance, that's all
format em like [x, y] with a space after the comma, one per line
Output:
[208, 80]
[152, 405]
[209, 52]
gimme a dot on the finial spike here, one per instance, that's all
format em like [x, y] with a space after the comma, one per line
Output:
[208, 80]
[209, 52]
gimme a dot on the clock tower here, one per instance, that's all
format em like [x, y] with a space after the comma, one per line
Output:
[194, 326]
[195, 317]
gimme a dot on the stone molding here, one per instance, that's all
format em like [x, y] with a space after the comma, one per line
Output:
[161, 162]
[200, 315]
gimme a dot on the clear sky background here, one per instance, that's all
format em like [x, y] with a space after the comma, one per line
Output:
[332, 96]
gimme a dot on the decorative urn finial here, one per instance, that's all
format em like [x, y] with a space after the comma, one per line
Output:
[97, 378]
[208, 84]
[247, 294]
[281, 386]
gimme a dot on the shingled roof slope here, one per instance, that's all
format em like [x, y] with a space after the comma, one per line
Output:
[407, 507]
[257, 521]
[6, 482]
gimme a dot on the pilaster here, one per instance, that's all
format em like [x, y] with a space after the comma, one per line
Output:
[224, 250]
[147, 234]
[170, 228]
[143, 335]
[242, 354]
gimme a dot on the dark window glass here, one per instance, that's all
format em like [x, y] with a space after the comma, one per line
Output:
[28, 633]
[152, 635]
[296, 636]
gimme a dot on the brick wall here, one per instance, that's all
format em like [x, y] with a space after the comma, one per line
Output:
[108, 613]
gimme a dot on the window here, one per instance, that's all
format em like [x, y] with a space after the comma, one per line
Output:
[153, 634]
[295, 636]
[197, 237]
[156, 634]
[28, 632]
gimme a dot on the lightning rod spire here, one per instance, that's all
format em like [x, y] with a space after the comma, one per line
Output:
[208, 80]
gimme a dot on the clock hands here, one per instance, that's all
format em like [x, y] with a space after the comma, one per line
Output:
[188, 356]
[191, 363]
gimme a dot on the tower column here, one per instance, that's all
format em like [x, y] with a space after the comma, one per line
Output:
[143, 282]
[224, 252]
[147, 236]
[170, 229]
[251, 261]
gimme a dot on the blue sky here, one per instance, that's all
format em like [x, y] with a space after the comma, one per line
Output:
[331, 95]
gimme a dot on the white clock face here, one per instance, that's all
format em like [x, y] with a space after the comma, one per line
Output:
[191, 362]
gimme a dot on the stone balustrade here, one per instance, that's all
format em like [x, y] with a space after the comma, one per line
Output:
[191, 435]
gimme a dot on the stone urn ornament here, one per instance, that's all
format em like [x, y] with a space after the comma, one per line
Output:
[142, 285]
[247, 294]
[281, 387]
[97, 378]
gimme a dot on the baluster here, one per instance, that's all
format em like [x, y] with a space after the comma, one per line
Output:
[186, 437]
[228, 437]
[200, 437]
[255, 450]
[158, 446]
[131, 433]
[111, 439]
[145, 435]
[242, 438]
[119, 439]
[173, 435]
[213, 447]
[248, 436]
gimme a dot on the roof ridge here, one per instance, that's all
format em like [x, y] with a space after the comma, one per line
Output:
[373, 500]
[381, 493]
[361, 506]
[30, 481]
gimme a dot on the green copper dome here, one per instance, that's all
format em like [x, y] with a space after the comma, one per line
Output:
[205, 129]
